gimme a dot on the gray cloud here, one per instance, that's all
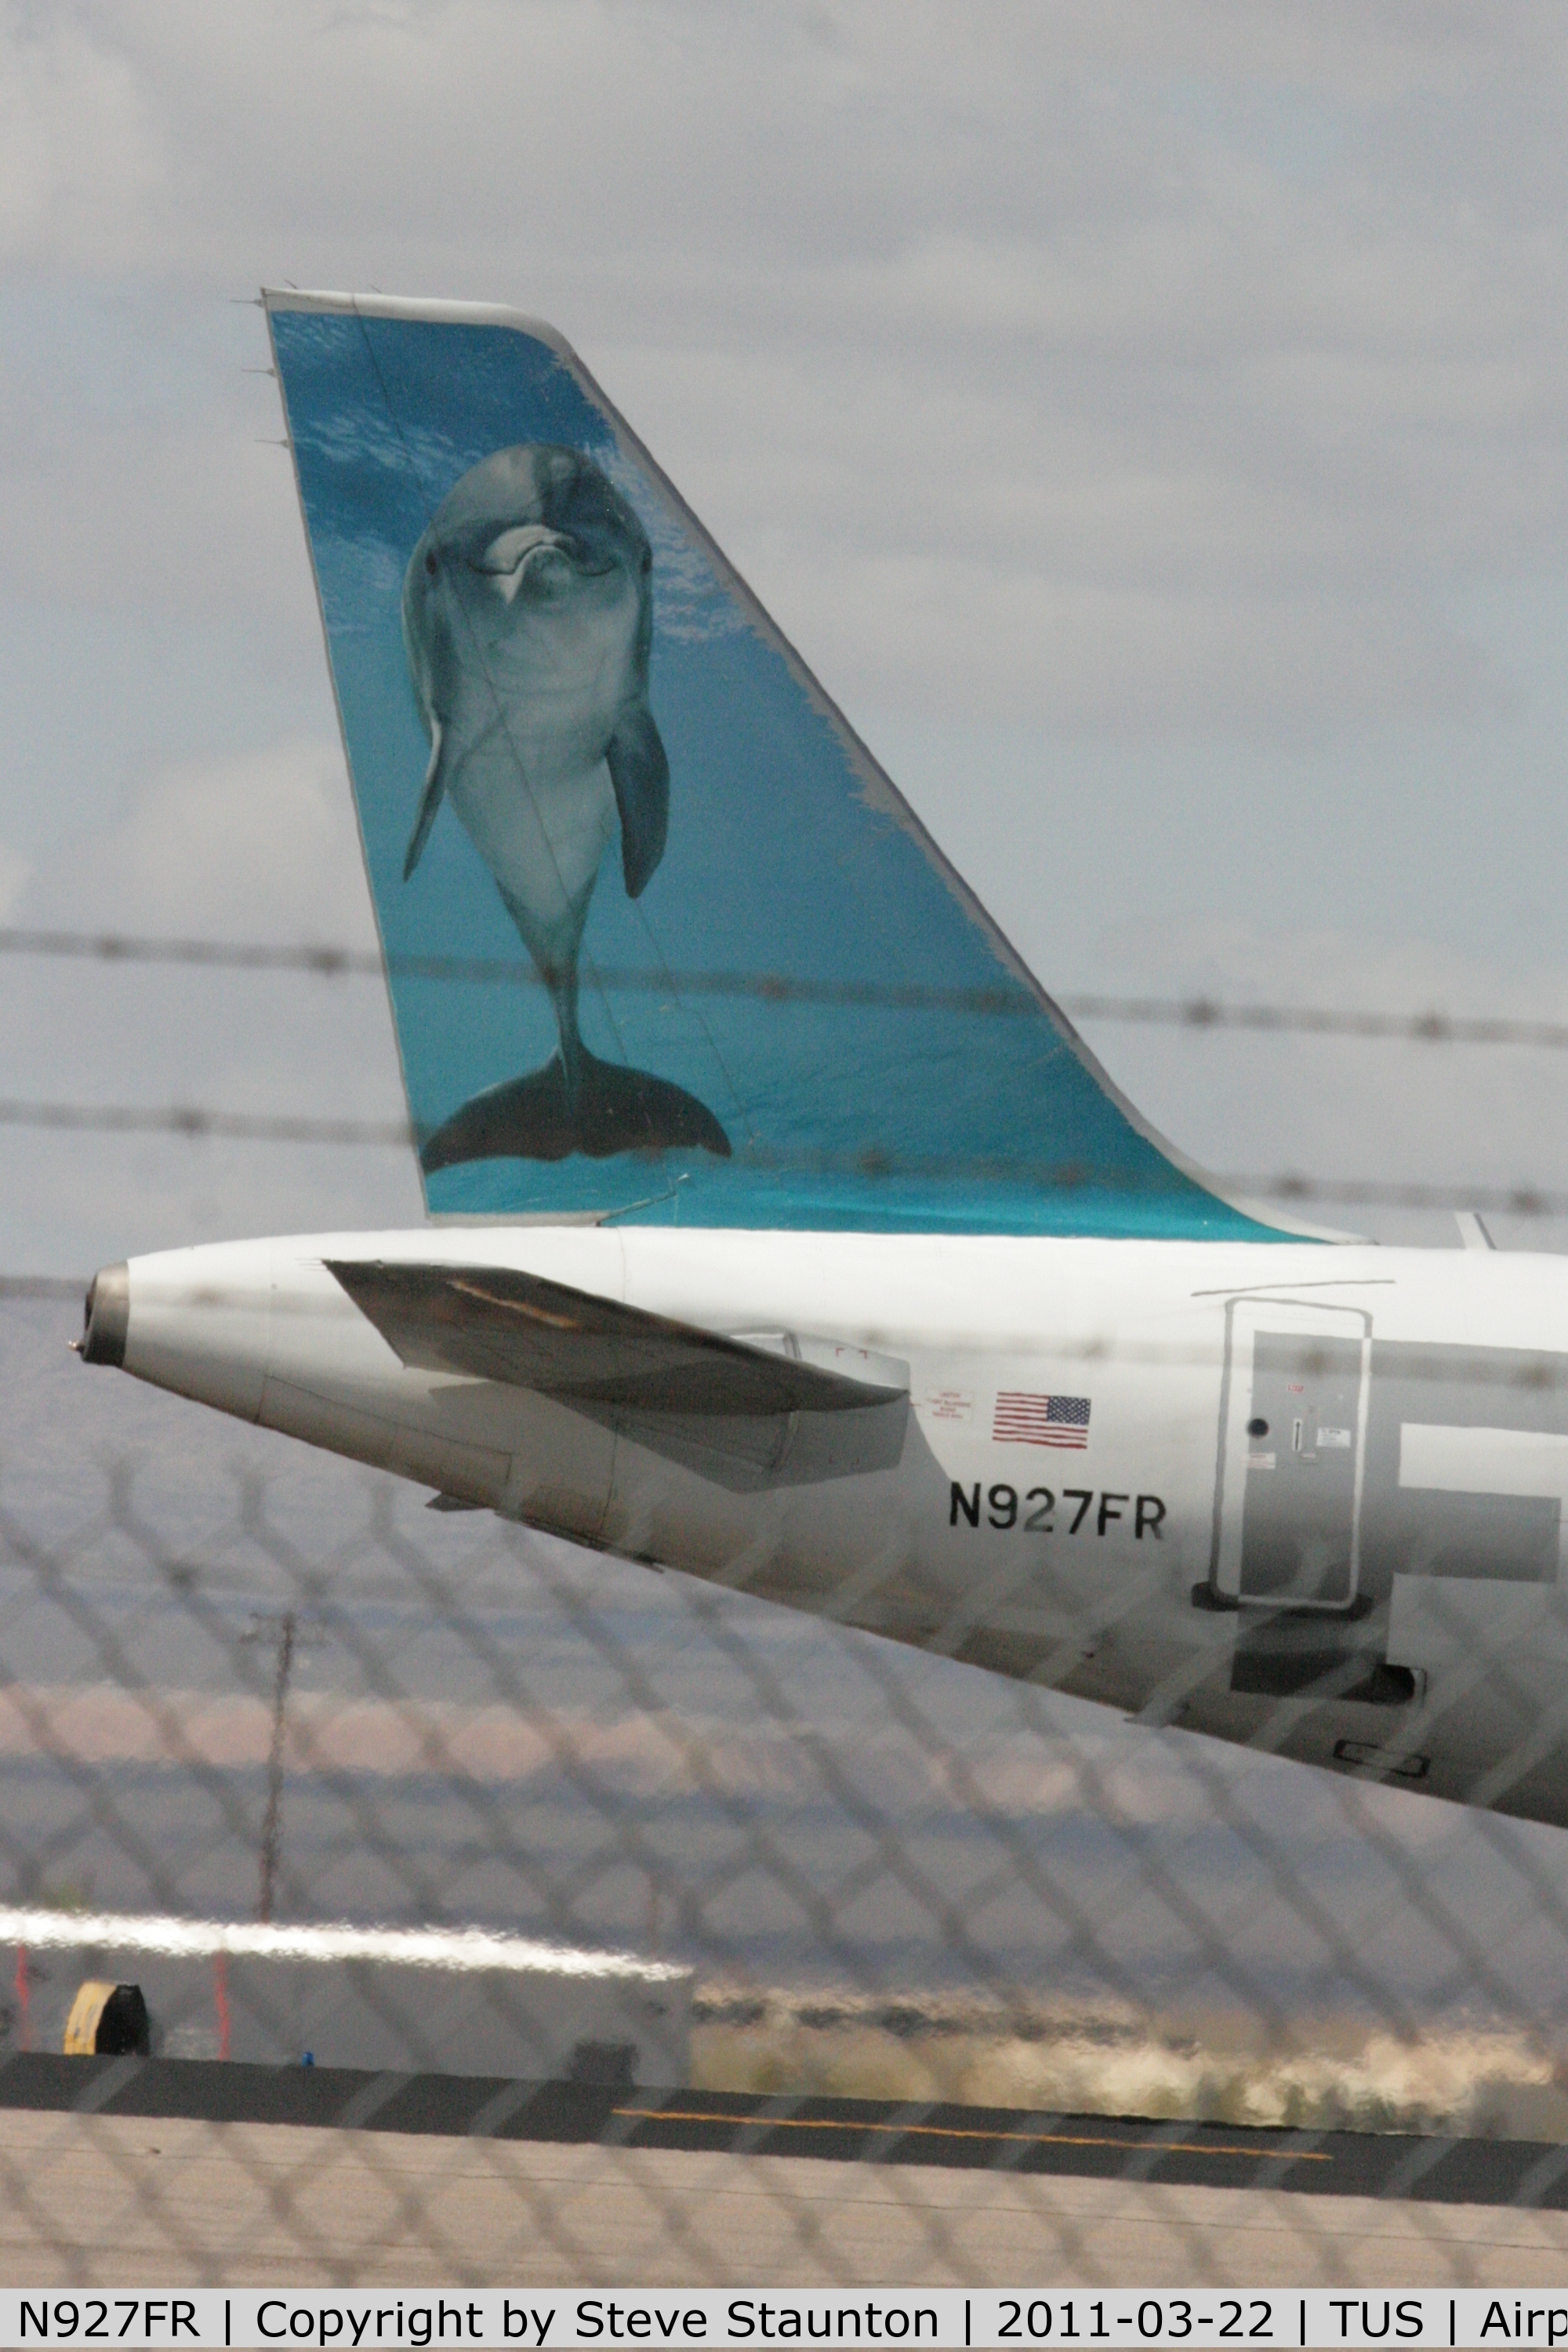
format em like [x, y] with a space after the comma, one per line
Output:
[1146, 420]
[1226, 382]
[260, 845]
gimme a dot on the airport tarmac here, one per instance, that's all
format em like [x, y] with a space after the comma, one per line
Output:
[446, 2179]
[114, 2200]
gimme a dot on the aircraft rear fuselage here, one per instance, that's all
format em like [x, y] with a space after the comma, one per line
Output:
[1309, 1496]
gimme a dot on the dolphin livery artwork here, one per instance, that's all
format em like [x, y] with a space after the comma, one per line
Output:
[782, 1231]
[528, 616]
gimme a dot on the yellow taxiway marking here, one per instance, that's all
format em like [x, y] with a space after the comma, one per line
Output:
[956, 2131]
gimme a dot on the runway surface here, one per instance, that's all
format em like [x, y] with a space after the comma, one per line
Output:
[858, 2132]
[121, 2201]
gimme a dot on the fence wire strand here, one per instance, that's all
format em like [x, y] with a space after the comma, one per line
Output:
[1429, 1025]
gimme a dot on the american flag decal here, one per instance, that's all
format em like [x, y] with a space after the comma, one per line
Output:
[1024, 1419]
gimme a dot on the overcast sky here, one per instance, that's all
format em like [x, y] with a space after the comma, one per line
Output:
[1146, 419]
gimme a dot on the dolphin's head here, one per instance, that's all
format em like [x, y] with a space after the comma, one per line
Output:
[526, 529]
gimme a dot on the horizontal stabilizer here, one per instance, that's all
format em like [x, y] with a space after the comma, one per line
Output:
[496, 1323]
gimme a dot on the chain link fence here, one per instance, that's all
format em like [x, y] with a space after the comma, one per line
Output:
[835, 1960]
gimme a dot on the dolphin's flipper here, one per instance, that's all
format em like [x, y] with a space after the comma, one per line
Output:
[430, 800]
[617, 1109]
[640, 775]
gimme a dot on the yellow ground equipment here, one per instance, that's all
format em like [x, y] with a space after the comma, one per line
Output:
[108, 2021]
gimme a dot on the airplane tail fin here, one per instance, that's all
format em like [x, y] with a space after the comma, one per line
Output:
[662, 938]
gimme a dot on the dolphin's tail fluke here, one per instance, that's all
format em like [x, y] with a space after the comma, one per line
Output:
[611, 1109]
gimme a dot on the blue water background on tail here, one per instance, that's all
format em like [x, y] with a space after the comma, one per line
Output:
[800, 962]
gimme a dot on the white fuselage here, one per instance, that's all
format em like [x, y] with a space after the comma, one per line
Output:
[1311, 1497]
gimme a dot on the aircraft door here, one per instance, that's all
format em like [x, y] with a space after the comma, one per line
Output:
[1293, 1446]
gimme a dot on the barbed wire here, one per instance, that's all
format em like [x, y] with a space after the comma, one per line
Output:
[116, 946]
[196, 1124]
[1355, 1191]
[1443, 1370]
[1431, 1027]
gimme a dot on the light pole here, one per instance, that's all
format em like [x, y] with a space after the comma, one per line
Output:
[286, 1636]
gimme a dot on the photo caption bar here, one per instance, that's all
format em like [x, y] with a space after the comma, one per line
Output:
[939, 2316]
